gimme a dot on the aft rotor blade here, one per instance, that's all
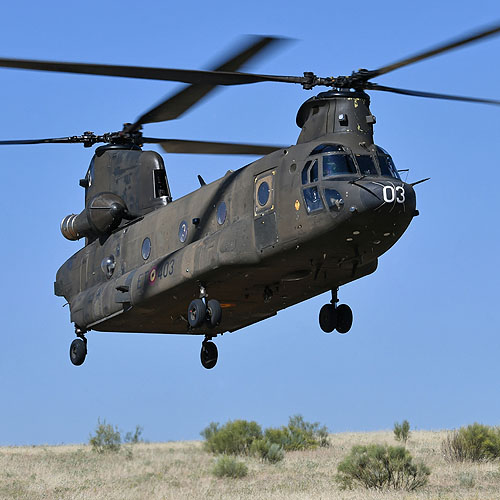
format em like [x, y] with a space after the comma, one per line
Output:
[215, 148]
[432, 95]
[56, 140]
[178, 103]
[439, 49]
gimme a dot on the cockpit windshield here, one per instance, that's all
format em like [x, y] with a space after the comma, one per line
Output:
[336, 164]
[366, 165]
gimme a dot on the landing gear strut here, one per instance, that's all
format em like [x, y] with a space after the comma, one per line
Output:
[332, 316]
[207, 313]
[78, 348]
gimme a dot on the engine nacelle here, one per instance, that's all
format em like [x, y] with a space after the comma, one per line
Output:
[103, 214]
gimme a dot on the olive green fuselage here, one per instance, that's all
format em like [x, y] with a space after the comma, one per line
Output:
[271, 247]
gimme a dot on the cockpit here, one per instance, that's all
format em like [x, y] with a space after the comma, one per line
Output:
[331, 161]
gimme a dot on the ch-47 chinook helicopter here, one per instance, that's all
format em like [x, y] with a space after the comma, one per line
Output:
[300, 221]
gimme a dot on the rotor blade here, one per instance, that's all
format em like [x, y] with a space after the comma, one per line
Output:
[227, 77]
[439, 49]
[178, 103]
[57, 140]
[432, 95]
[215, 148]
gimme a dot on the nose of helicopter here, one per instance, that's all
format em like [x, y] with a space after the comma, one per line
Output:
[378, 211]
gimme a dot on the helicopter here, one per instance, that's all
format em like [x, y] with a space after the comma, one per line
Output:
[300, 221]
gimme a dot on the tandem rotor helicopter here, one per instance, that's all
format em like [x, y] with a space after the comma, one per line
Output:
[298, 222]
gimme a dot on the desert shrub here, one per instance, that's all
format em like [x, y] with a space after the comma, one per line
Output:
[106, 438]
[381, 467]
[267, 451]
[134, 437]
[226, 466]
[466, 480]
[233, 438]
[298, 435]
[402, 431]
[473, 443]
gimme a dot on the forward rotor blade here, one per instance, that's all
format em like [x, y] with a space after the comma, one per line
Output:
[432, 95]
[439, 49]
[178, 103]
[165, 74]
[215, 148]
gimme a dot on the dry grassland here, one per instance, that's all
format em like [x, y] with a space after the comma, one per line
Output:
[182, 470]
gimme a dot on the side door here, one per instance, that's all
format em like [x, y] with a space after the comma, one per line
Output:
[265, 227]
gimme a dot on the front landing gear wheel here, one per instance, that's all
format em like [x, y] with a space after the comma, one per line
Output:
[214, 313]
[344, 318]
[208, 355]
[328, 318]
[197, 312]
[78, 351]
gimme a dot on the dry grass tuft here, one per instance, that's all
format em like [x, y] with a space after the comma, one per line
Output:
[182, 470]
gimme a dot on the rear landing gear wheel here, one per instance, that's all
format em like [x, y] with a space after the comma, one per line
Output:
[328, 318]
[197, 312]
[78, 351]
[214, 313]
[344, 318]
[208, 355]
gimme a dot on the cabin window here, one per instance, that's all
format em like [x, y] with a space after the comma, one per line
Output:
[146, 248]
[183, 231]
[366, 165]
[221, 213]
[312, 199]
[263, 193]
[335, 164]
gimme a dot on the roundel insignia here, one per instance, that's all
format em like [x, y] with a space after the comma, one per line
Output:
[152, 275]
[297, 205]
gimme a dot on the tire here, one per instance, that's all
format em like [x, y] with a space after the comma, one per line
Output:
[209, 355]
[77, 352]
[214, 313]
[197, 312]
[344, 318]
[328, 318]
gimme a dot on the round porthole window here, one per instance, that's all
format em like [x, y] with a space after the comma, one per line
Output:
[263, 193]
[146, 248]
[183, 231]
[221, 213]
[108, 266]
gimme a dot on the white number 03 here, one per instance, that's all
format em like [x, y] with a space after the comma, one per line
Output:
[392, 194]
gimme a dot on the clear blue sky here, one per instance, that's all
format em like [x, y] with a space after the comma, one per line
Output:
[425, 341]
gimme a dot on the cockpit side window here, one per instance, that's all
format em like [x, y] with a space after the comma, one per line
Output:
[313, 177]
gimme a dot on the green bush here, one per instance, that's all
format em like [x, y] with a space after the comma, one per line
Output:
[233, 438]
[267, 451]
[298, 435]
[134, 437]
[229, 467]
[402, 431]
[381, 467]
[106, 438]
[473, 443]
